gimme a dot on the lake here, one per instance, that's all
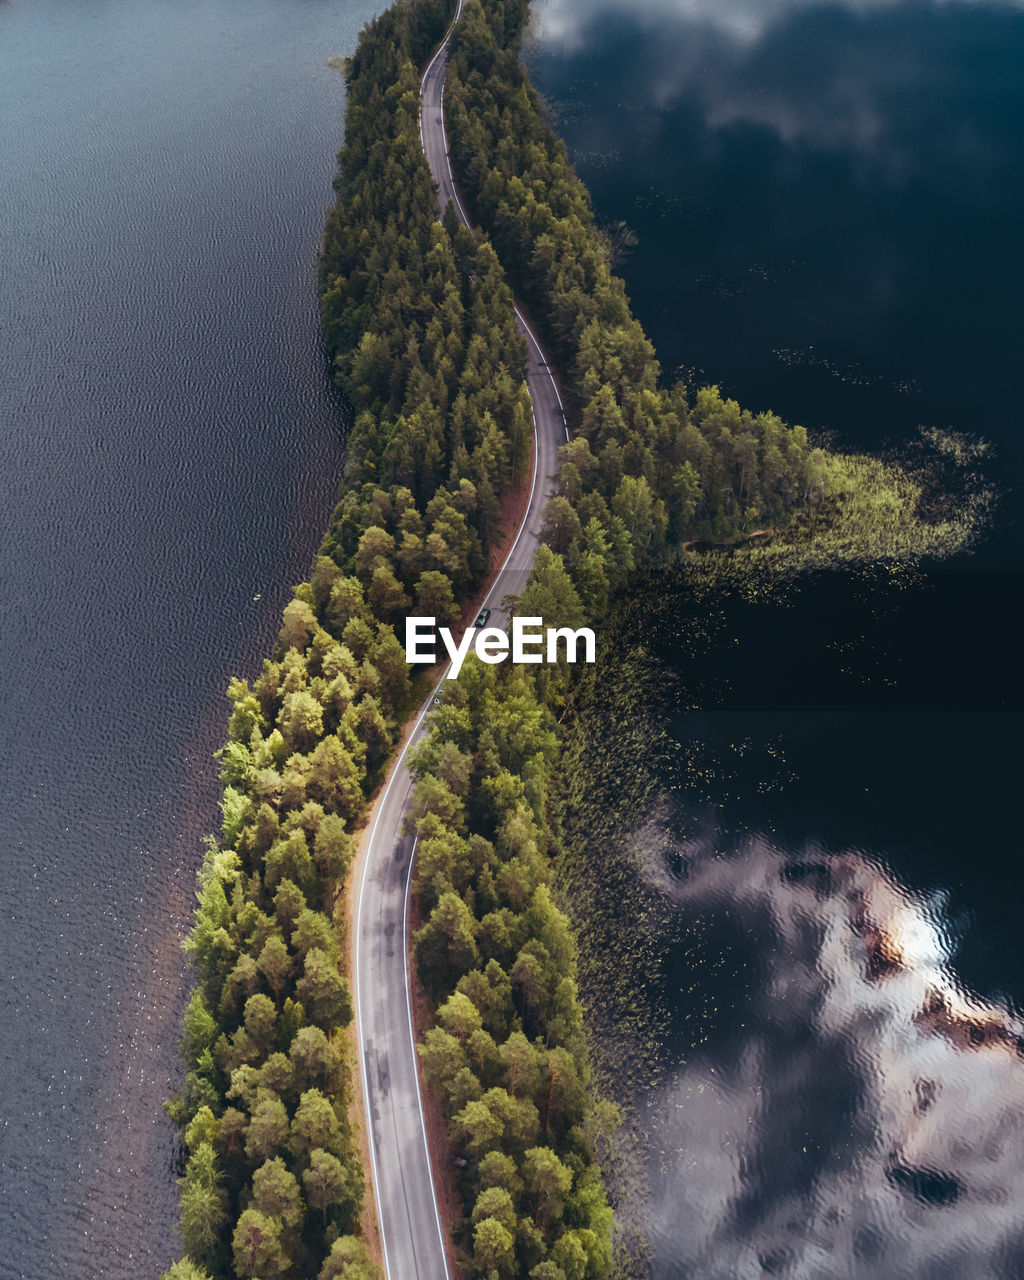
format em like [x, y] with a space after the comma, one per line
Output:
[826, 203]
[171, 448]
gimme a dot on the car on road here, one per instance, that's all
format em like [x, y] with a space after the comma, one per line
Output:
[481, 618]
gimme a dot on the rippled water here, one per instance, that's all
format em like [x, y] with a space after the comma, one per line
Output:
[170, 453]
[847, 1110]
[824, 1072]
[823, 1069]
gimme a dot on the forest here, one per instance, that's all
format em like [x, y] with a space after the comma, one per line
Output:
[418, 320]
[644, 472]
[508, 1051]
[669, 469]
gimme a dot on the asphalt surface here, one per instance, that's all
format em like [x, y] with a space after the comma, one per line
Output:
[412, 1235]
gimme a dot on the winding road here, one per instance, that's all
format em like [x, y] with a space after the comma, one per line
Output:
[412, 1235]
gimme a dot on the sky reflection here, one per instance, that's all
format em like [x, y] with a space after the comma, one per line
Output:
[835, 74]
[827, 216]
[564, 21]
[854, 1113]
[827, 201]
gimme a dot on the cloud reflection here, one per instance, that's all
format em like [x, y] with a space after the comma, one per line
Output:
[856, 1115]
[564, 21]
[839, 73]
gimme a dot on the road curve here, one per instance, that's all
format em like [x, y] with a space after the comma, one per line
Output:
[412, 1235]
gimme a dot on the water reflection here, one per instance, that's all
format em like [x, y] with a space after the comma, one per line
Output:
[827, 200]
[848, 1110]
[827, 214]
[564, 21]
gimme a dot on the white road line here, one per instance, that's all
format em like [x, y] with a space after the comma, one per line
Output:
[541, 357]
[423, 79]
[369, 848]
[410, 741]
[448, 163]
[415, 1055]
[382, 805]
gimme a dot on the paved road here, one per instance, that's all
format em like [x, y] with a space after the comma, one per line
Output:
[411, 1231]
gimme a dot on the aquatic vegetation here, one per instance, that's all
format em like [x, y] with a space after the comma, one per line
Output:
[885, 516]
[418, 318]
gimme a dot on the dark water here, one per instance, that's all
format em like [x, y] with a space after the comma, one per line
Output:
[170, 452]
[827, 203]
[827, 208]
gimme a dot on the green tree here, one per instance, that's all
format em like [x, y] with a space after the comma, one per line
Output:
[258, 1251]
[434, 797]
[435, 597]
[327, 1182]
[301, 720]
[459, 1016]
[268, 1129]
[332, 850]
[547, 1270]
[496, 1203]
[298, 625]
[497, 1169]
[347, 601]
[203, 1127]
[203, 1209]
[493, 1248]
[387, 599]
[323, 579]
[371, 728]
[550, 593]
[323, 991]
[289, 858]
[548, 1181]
[275, 1193]
[388, 657]
[443, 1058]
[314, 930]
[198, 1029]
[523, 1064]
[376, 548]
[561, 524]
[261, 1022]
[445, 946]
[335, 781]
[315, 1125]
[315, 1060]
[478, 1126]
[289, 904]
[491, 993]
[349, 1260]
[277, 1075]
[275, 964]
[247, 714]
[185, 1269]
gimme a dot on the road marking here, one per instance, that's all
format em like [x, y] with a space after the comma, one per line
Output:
[412, 1042]
[541, 356]
[410, 741]
[448, 162]
[381, 806]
